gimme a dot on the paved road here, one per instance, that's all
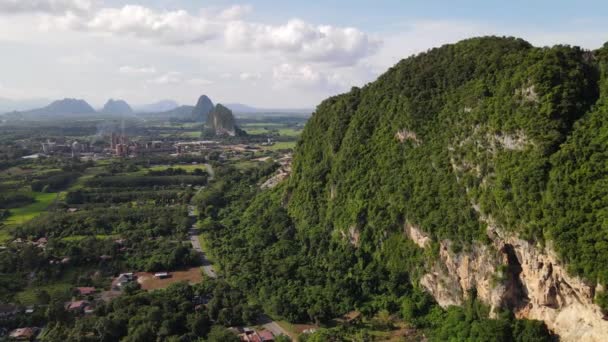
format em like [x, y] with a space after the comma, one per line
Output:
[210, 171]
[264, 320]
[206, 264]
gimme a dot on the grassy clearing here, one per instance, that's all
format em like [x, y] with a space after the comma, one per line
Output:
[246, 164]
[263, 124]
[283, 131]
[28, 296]
[194, 134]
[281, 145]
[28, 212]
[147, 280]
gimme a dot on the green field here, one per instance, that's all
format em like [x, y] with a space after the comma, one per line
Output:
[256, 129]
[281, 145]
[28, 296]
[24, 214]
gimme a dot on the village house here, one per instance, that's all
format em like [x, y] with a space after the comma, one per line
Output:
[24, 334]
[85, 291]
[266, 336]
[41, 242]
[250, 335]
[122, 280]
[77, 306]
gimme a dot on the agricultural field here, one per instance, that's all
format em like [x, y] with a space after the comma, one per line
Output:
[28, 212]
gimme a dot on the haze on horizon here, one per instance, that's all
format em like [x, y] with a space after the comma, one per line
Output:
[259, 52]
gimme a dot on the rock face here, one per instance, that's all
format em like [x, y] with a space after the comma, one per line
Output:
[512, 273]
[202, 109]
[117, 107]
[221, 121]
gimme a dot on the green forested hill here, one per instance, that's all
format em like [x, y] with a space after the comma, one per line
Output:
[479, 122]
[485, 127]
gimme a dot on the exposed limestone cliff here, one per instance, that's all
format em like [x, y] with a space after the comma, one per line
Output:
[512, 273]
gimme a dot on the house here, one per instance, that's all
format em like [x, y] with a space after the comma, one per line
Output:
[8, 310]
[88, 310]
[72, 210]
[24, 334]
[122, 280]
[85, 291]
[161, 275]
[77, 306]
[41, 242]
[266, 335]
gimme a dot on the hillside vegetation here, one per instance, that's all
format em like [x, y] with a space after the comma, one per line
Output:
[485, 129]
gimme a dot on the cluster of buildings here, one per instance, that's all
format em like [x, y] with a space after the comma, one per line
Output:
[250, 335]
[121, 146]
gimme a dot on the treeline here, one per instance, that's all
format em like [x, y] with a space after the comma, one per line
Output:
[15, 200]
[146, 221]
[109, 196]
[173, 314]
[146, 181]
[55, 182]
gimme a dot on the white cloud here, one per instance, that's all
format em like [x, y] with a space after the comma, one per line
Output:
[169, 27]
[86, 58]
[294, 39]
[344, 46]
[175, 77]
[304, 76]
[250, 76]
[199, 81]
[127, 69]
[235, 12]
[44, 6]
[167, 78]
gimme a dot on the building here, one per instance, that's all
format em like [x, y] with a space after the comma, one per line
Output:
[24, 334]
[122, 280]
[77, 306]
[85, 291]
[266, 335]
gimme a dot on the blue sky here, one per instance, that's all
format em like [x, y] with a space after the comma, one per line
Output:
[260, 52]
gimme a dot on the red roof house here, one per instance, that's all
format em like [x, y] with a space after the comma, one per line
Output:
[85, 291]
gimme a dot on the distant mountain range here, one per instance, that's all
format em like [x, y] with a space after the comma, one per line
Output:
[240, 108]
[39, 109]
[65, 108]
[157, 107]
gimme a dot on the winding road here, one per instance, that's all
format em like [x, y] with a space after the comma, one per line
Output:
[207, 267]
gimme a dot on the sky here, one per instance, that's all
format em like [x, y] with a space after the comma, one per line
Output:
[271, 54]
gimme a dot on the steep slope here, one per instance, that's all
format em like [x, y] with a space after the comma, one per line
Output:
[203, 107]
[474, 173]
[460, 150]
[220, 121]
[117, 107]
